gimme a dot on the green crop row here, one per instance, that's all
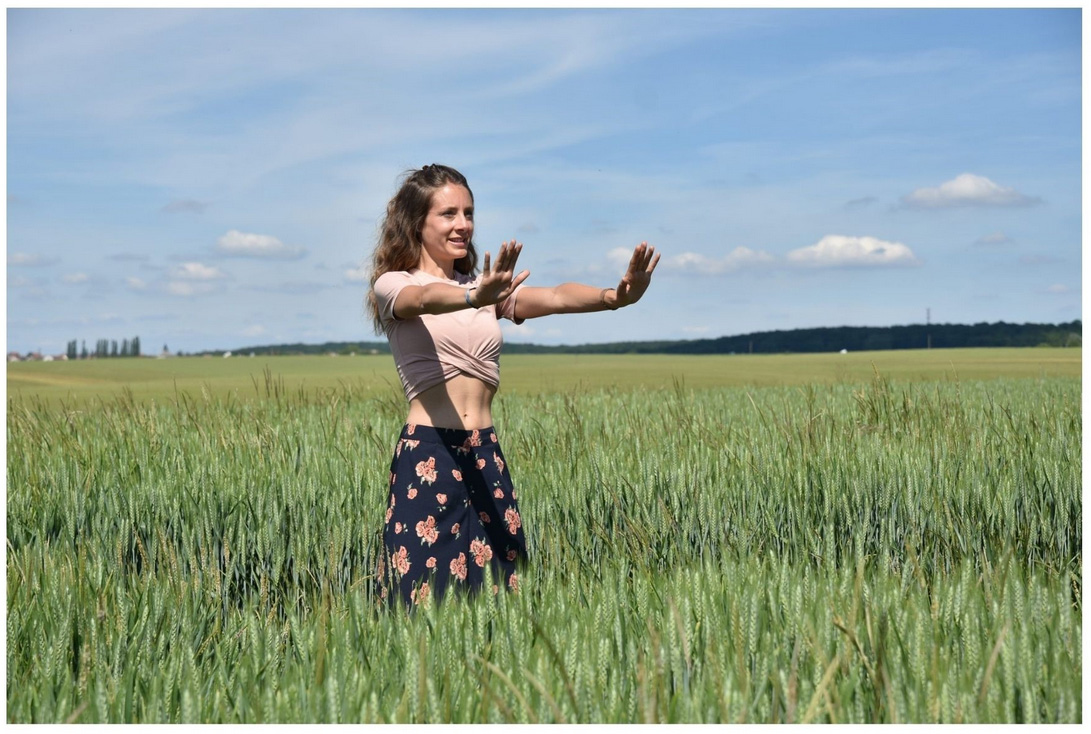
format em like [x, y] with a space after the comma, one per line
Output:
[883, 551]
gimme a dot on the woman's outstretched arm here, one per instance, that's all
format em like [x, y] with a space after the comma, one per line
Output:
[578, 298]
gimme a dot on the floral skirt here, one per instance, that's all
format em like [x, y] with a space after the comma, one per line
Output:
[452, 514]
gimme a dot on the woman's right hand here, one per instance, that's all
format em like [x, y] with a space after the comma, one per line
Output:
[497, 283]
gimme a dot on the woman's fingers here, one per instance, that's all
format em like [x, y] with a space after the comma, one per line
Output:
[654, 261]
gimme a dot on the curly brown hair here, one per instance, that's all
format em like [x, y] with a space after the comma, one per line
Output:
[399, 246]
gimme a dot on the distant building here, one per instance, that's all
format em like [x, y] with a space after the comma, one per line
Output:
[14, 357]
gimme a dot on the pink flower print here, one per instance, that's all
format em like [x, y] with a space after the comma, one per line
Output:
[398, 450]
[482, 552]
[454, 529]
[426, 530]
[458, 567]
[426, 470]
[499, 462]
[513, 582]
[457, 475]
[411, 444]
[393, 499]
[485, 519]
[441, 498]
[412, 492]
[431, 562]
[512, 520]
[513, 494]
[419, 596]
[495, 589]
[492, 437]
[389, 514]
[473, 440]
[480, 463]
[391, 477]
[410, 428]
[498, 493]
[401, 561]
[397, 528]
[512, 554]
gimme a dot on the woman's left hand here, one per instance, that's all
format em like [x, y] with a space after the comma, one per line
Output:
[638, 277]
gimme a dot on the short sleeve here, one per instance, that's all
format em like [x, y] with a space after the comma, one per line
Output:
[506, 308]
[387, 287]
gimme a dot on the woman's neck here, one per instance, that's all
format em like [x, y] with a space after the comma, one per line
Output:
[433, 267]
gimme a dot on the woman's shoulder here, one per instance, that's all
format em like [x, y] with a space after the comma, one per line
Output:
[420, 277]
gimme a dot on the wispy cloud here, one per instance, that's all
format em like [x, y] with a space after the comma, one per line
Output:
[28, 260]
[967, 189]
[245, 244]
[187, 206]
[359, 274]
[861, 203]
[196, 271]
[188, 288]
[74, 278]
[996, 239]
[841, 251]
[699, 264]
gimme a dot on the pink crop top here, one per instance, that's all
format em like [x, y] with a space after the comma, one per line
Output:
[432, 348]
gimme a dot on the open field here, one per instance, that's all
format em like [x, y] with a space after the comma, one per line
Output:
[822, 538]
[245, 377]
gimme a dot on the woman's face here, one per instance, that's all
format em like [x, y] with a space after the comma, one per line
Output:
[449, 226]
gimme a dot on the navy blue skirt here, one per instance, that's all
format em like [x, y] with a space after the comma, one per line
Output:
[452, 514]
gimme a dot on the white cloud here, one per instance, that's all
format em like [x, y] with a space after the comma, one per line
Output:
[358, 275]
[1057, 288]
[967, 189]
[23, 259]
[136, 284]
[995, 239]
[511, 329]
[255, 330]
[620, 256]
[698, 264]
[184, 288]
[196, 271]
[75, 278]
[191, 206]
[841, 251]
[245, 244]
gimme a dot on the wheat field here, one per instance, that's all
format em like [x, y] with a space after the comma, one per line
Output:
[879, 550]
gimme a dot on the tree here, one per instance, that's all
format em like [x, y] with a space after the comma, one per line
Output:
[83, 352]
[134, 347]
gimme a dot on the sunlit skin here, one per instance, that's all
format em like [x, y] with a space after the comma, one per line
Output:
[464, 401]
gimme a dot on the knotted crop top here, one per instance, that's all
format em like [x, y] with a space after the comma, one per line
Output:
[432, 348]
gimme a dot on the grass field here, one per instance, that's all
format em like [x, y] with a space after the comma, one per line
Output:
[246, 377]
[893, 537]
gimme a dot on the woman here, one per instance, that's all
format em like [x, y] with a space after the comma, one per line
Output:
[453, 511]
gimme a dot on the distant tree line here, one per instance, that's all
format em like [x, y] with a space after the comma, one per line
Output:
[344, 348]
[826, 339]
[834, 339]
[105, 348]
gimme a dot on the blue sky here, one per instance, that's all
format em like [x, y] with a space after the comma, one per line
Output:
[212, 179]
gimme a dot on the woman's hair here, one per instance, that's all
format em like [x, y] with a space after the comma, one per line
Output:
[399, 246]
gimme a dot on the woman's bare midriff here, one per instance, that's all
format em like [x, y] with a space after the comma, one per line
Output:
[461, 402]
